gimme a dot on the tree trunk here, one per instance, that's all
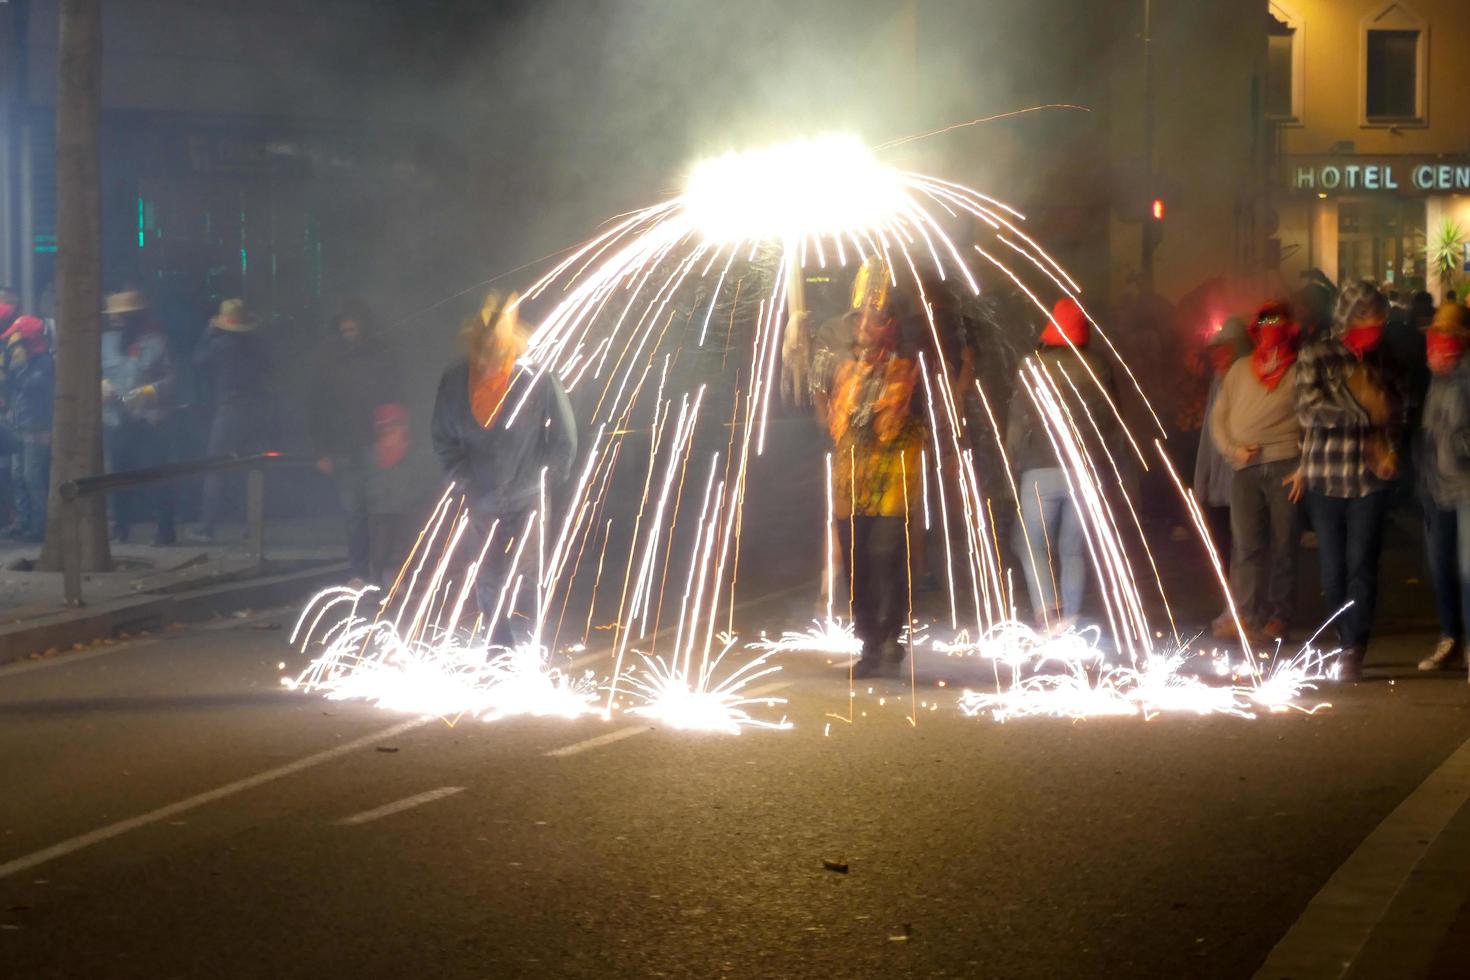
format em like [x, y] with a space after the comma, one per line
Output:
[76, 433]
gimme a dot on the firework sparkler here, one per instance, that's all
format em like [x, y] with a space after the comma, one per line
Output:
[618, 316]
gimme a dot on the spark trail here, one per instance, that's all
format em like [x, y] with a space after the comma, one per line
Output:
[624, 318]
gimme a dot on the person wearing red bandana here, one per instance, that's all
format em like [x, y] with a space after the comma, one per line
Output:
[1053, 535]
[505, 435]
[1349, 404]
[1443, 457]
[1253, 424]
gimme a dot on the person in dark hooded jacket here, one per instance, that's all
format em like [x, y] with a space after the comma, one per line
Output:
[499, 425]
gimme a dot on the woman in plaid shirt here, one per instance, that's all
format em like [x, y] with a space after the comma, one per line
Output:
[1349, 405]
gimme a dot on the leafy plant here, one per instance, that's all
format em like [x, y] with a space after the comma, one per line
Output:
[1444, 249]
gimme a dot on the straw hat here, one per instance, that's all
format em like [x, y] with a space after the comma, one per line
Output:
[234, 317]
[127, 301]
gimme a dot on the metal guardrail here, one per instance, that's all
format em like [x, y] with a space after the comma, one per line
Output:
[72, 491]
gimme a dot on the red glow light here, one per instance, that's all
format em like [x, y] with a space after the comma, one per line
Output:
[1158, 209]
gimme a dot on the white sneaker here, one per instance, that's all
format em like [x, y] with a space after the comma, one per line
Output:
[1446, 652]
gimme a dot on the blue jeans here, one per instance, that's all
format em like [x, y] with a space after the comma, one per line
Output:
[1447, 541]
[1049, 519]
[33, 483]
[1349, 540]
[515, 624]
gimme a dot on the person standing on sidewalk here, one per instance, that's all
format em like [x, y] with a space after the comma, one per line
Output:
[1051, 523]
[355, 376]
[1253, 424]
[31, 389]
[502, 430]
[1443, 459]
[1213, 473]
[137, 410]
[235, 363]
[1349, 405]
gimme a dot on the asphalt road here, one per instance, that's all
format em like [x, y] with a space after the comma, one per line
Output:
[167, 810]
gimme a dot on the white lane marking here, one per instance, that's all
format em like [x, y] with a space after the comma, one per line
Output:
[209, 796]
[608, 738]
[1339, 919]
[407, 803]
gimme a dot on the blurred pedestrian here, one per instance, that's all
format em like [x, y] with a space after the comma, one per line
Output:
[503, 432]
[355, 376]
[1349, 404]
[396, 490]
[1444, 481]
[9, 461]
[234, 365]
[877, 480]
[1253, 424]
[1213, 474]
[30, 391]
[137, 408]
[1052, 538]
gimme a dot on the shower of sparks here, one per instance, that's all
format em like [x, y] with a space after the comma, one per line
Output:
[617, 316]
[826, 636]
[447, 674]
[704, 703]
[1067, 676]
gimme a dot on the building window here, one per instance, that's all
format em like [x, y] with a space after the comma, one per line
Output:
[1395, 50]
[1284, 72]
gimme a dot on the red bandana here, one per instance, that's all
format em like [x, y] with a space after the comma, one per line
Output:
[1360, 340]
[1274, 354]
[1443, 350]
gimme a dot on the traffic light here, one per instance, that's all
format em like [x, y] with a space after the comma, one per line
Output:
[1157, 209]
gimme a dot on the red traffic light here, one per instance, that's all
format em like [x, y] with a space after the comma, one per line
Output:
[1157, 210]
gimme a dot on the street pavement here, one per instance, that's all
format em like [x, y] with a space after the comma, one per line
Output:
[169, 810]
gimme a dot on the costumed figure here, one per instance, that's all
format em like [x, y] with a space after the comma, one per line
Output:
[877, 436]
[496, 455]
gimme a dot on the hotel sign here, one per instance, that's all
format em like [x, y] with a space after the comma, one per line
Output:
[1406, 175]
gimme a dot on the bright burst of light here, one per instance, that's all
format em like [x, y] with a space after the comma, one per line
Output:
[1067, 676]
[726, 259]
[447, 674]
[827, 185]
[826, 636]
[703, 703]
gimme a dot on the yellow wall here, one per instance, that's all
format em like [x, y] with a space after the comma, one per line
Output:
[1331, 34]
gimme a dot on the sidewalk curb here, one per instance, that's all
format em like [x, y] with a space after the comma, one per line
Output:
[67, 627]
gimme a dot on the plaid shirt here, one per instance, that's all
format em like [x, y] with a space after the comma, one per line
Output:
[1334, 425]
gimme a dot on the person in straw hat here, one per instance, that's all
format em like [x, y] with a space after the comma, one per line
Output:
[498, 425]
[137, 410]
[1444, 481]
[233, 362]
